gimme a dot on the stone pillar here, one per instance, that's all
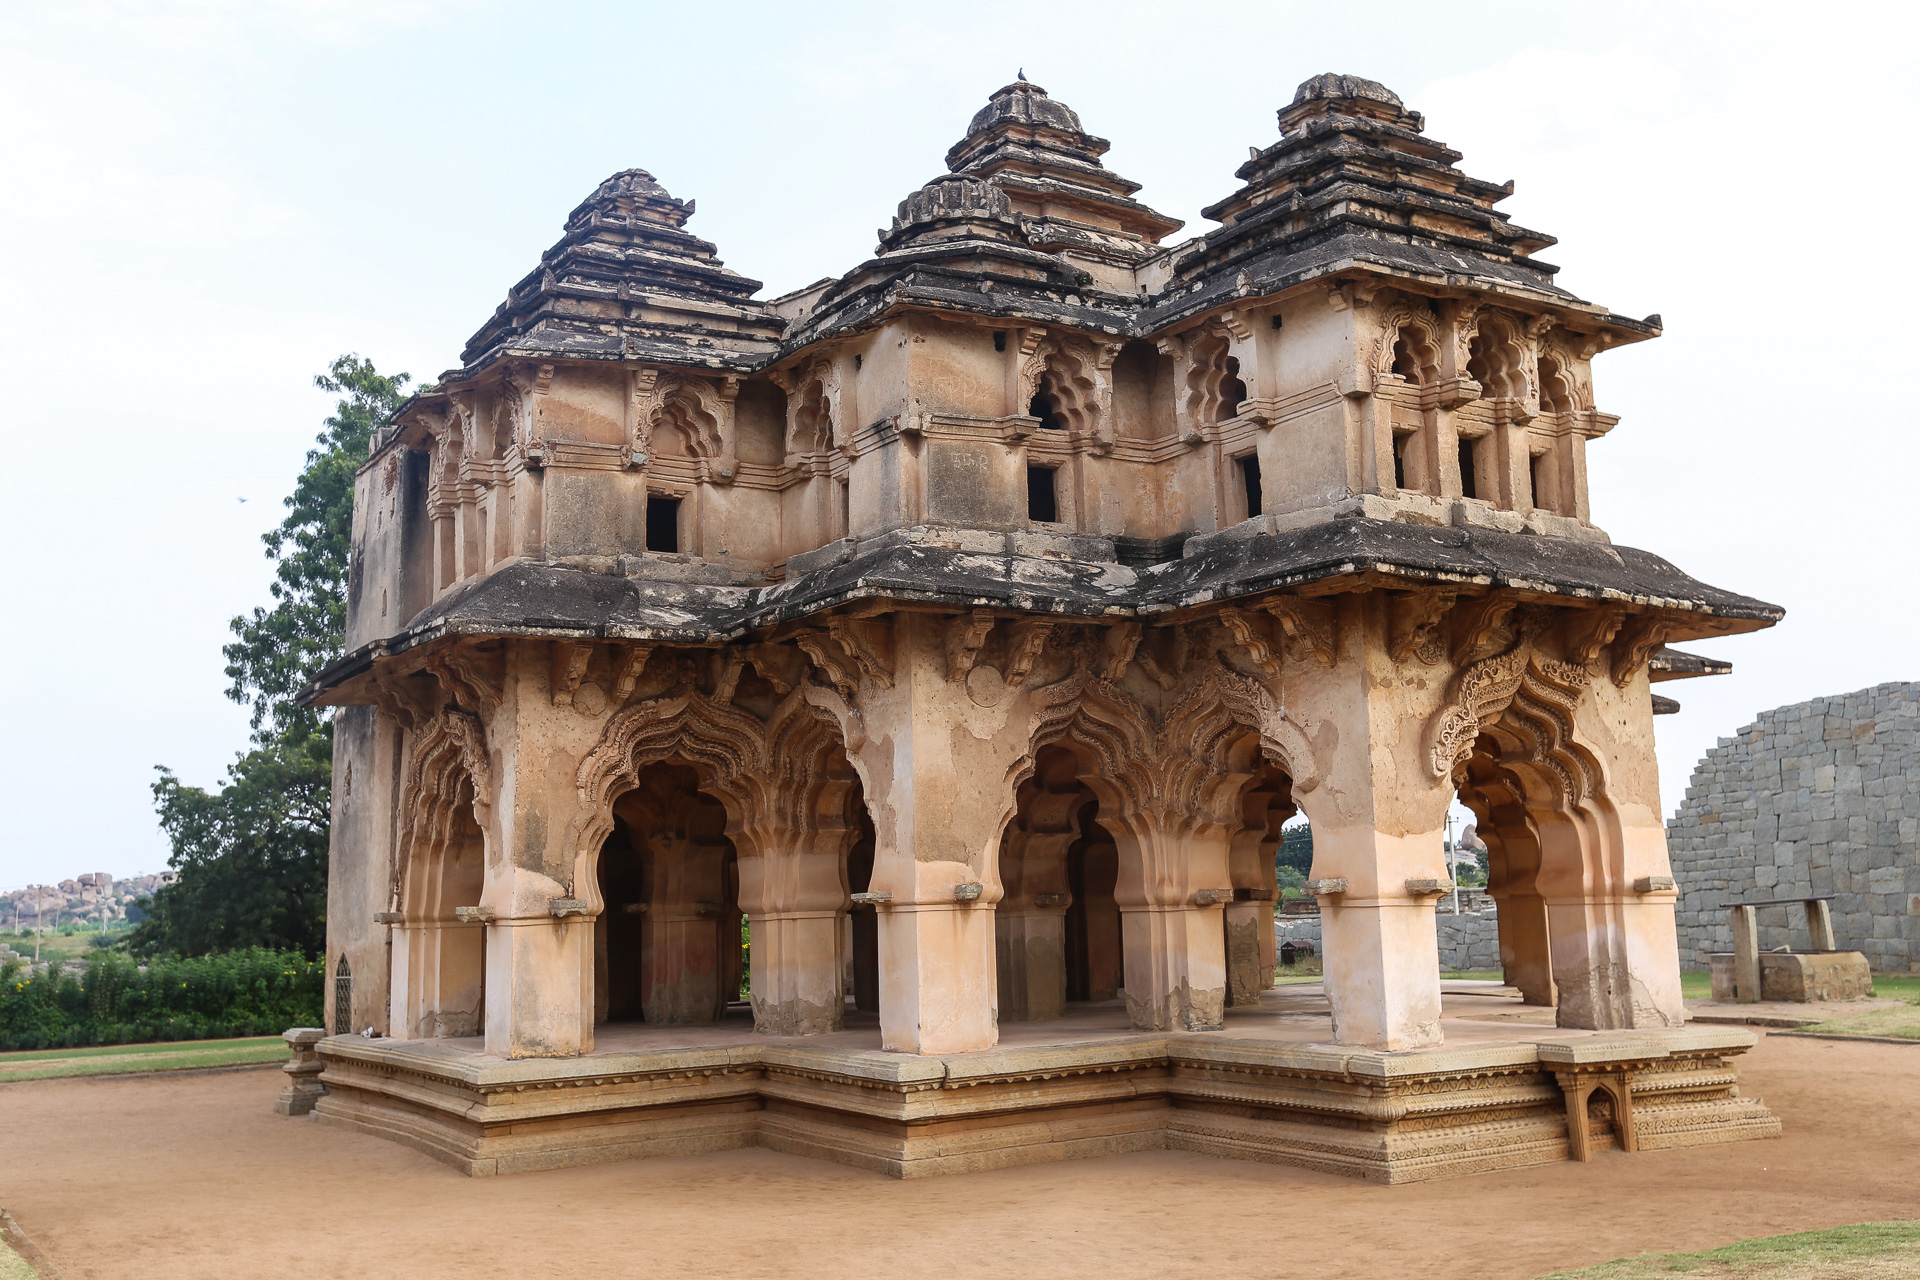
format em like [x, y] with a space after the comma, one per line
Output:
[1378, 811]
[796, 904]
[438, 978]
[540, 982]
[1030, 923]
[935, 747]
[1172, 890]
[1379, 941]
[540, 936]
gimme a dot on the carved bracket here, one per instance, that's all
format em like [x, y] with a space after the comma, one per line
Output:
[1025, 639]
[1308, 623]
[964, 642]
[569, 667]
[1638, 637]
[1252, 638]
[1416, 625]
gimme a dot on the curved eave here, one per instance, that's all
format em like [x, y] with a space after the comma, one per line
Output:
[546, 601]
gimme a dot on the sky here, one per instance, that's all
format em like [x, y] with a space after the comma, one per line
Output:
[206, 202]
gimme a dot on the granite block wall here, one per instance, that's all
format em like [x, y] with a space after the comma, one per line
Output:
[1470, 940]
[1822, 797]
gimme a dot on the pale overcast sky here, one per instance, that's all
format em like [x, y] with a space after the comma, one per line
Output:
[206, 202]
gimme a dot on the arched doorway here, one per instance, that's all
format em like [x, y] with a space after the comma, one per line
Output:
[1497, 799]
[667, 941]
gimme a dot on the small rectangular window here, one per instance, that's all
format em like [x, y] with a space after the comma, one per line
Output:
[1250, 477]
[1468, 489]
[1533, 481]
[663, 523]
[1400, 461]
[1043, 504]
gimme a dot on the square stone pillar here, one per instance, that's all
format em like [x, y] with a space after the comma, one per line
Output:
[1031, 959]
[1378, 810]
[540, 987]
[1173, 889]
[1379, 942]
[936, 747]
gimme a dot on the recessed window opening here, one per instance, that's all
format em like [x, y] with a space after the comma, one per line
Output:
[1041, 407]
[1468, 489]
[1232, 392]
[1400, 442]
[999, 339]
[846, 508]
[1276, 319]
[1533, 481]
[1250, 478]
[1043, 502]
[856, 363]
[663, 523]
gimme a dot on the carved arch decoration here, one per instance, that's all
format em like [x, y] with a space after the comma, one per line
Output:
[1527, 699]
[1562, 386]
[448, 766]
[814, 423]
[1414, 334]
[1179, 763]
[1211, 371]
[694, 409]
[1497, 357]
[1075, 379]
[782, 771]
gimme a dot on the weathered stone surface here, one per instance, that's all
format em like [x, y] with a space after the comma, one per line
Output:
[1013, 587]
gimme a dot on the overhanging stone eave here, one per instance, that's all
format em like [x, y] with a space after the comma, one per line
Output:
[545, 601]
[1280, 271]
[640, 351]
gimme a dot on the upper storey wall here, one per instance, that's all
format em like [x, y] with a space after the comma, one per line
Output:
[1020, 357]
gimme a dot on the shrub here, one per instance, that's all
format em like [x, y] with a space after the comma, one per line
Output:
[239, 993]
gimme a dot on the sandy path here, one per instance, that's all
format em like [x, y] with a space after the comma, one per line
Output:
[194, 1176]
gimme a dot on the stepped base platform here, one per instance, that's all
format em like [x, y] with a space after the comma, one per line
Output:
[1507, 1089]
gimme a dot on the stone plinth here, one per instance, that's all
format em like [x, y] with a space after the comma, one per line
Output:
[1800, 976]
[303, 1072]
[1497, 1096]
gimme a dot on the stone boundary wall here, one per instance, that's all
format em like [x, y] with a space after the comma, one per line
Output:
[1470, 940]
[1816, 798]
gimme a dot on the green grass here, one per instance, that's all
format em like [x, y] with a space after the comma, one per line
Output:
[54, 946]
[1471, 975]
[1869, 1251]
[184, 1055]
[1697, 984]
[1900, 1022]
[13, 1266]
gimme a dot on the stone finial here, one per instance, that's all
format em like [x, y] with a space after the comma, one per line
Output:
[1025, 103]
[633, 193]
[1329, 84]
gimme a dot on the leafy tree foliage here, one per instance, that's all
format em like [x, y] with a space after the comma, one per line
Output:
[251, 858]
[279, 650]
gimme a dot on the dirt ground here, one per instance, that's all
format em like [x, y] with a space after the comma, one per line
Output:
[194, 1176]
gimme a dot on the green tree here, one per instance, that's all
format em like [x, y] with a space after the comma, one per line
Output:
[251, 857]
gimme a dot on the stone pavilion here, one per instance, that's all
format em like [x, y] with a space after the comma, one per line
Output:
[967, 625]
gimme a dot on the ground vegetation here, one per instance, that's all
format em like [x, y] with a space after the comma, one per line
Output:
[117, 1001]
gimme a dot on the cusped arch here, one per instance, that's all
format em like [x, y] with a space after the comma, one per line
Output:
[787, 773]
[1211, 373]
[1409, 345]
[448, 768]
